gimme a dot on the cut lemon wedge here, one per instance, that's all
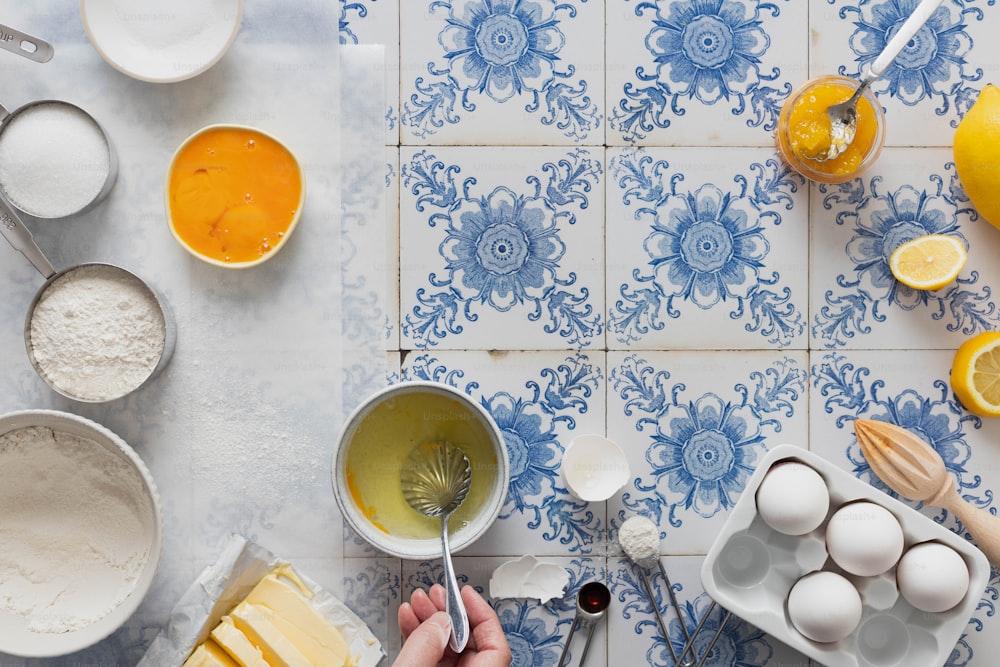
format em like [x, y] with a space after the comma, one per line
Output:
[928, 262]
[975, 374]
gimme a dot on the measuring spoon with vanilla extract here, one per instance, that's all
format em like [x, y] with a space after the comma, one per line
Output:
[591, 604]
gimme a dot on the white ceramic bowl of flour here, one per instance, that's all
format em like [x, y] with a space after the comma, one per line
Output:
[161, 41]
[80, 529]
[97, 332]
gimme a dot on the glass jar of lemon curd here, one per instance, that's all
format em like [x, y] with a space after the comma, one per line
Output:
[804, 130]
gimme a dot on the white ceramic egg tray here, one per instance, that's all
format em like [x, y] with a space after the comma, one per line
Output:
[750, 569]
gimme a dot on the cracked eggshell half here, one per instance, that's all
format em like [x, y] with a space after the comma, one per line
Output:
[594, 468]
[528, 577]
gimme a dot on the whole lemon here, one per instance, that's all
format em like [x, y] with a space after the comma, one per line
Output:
[977, 154]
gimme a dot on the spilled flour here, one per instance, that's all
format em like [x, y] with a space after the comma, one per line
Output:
[75, 529]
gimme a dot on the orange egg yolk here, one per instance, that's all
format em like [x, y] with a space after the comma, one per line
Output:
[809, 129]
[233, 194]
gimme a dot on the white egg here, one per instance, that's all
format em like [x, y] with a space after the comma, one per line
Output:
[793, 498]
[864, 538]
[932, 577]
[824, 606]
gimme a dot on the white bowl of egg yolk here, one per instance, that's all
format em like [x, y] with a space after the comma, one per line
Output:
[234, 195]
[370, 454]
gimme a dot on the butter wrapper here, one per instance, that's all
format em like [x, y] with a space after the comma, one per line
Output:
[222, 585]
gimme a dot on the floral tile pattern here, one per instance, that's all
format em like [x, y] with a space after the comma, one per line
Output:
[707, 250]
[502, 72]
[701, 73]
[934, 80]
[856, 302]
[377, 22]
[678, 288]
[501, 248]
[694, 425]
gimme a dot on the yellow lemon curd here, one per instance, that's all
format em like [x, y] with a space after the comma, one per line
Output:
[804, 131]
[233, 193]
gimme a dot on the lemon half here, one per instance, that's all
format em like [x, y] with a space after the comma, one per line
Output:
[975, 374]
[928, 262]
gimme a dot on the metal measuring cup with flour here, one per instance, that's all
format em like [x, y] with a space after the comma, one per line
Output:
[94, 332]
[55, 159]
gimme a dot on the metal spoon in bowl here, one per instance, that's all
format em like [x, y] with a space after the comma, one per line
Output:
[844, 116]
[435, 481]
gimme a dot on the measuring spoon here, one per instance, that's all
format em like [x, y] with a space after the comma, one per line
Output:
[25, 45]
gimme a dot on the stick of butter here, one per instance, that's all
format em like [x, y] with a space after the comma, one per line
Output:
[236, 644]
[274, 626]
[210, 654]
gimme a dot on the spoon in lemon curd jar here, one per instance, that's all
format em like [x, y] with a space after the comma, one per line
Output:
[803, 136]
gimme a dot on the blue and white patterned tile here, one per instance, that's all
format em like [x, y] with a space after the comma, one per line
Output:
[502, 248]
[377, 22]
[694, 425]
[892, 386]
[502, 72]
[640, 641]
[540, 400]
[707, 248]
[392, 247]
[934, 80]
[688, 72]
[536, 632]
[371, 589]
[855, 301]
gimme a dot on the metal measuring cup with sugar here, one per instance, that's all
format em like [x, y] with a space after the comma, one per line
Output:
[56, 160]
[163, 333]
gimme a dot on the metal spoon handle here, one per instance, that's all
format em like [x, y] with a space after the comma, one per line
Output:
[24, 44]
[453, 602]
[20, 238]
[903, 35]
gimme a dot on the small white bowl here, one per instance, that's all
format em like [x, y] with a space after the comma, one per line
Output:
[419, 412]
[594, 468]
[161, 41]
[15, 636]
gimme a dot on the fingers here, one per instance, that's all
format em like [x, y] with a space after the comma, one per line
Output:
[439, 596]
[426, 643]
[425, 606]
[486, 629]
[407, 618]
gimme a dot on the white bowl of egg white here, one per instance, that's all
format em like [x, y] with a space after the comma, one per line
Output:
[80, 529]
[371, 453]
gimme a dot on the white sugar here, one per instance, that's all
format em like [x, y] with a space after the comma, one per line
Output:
[54, 159]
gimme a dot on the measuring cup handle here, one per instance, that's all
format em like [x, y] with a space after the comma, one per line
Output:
[20, 238]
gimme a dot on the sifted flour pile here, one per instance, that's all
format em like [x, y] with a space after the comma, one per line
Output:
[75, 529]
[97, 332]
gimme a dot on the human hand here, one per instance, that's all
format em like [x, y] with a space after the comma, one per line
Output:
[426, 628]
